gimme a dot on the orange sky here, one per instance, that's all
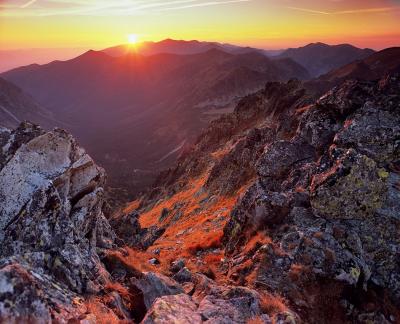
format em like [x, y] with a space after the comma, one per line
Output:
[260, 23]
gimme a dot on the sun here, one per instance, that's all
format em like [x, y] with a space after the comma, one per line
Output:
[133, 39]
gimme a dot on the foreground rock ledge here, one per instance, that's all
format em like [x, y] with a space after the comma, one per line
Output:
[51, 223]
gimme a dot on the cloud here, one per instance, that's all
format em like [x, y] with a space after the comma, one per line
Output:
[28, 4]
[346, 12]
[206, 4]
[309, 10]
[103, 7]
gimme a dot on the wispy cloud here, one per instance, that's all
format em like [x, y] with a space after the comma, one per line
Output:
[28, 3]
[102, 7]
[206, 4]
[309, 10]
[346, 12]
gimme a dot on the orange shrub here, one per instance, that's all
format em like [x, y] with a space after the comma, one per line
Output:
[272, 304]
[115, 286]
[255, 320]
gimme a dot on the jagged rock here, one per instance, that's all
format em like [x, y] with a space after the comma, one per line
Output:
[28, 296]
[348, 97]
[183, 275]
[51, 223]
[211, 303]
[129, 231]
[173, 309]
[153, 285]
[333, 188]
[238, 166]
[119, 269]
[232, 305]
[281, 156]
[164, 214]
[154, 261]
[318, 127]
[127, 227]
[372, 131]
[177, 265]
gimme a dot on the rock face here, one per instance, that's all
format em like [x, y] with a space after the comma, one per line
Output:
[329, 199]
[51, 223]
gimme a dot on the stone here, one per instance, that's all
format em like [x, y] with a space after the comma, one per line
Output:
[280, 156]
[183, 275]
[173, 309]
[177, 265]
[51, 224]
[353, 188]
[153, 285]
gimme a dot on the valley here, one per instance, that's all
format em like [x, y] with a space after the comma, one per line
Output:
[132, 126]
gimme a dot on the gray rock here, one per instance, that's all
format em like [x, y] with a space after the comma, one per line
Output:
[51, 223]
[173, 309]
[183, 275]
[177, 265]
[154, 285]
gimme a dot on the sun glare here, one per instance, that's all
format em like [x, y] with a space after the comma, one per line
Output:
[132, 39]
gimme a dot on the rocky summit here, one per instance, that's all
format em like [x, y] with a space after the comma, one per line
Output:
[286, 210]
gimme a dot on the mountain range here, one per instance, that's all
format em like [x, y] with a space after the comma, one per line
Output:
[320, 58]
[180, 47]
[158, 98]
[285, 209]
[156, 104]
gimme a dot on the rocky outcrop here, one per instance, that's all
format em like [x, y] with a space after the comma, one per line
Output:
[329, 199]
[59, 257]
[51, 225]
[209, 303]
[239, 137]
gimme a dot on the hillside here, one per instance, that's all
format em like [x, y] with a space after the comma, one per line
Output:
[319, 58]
[293, 197]
[17, 106]
[142, 110]
[371, 68]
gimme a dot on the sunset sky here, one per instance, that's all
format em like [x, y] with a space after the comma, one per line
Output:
[262, 23]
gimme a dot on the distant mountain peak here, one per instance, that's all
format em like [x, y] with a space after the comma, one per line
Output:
[319, 58]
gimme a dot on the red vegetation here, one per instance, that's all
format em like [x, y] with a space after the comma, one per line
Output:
[196, 235]
[272, 304]
[211, 243]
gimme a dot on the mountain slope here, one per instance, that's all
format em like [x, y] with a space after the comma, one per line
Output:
[319, 58]
[370, 68]
[142, 108]
[17, 106]
[293, 196]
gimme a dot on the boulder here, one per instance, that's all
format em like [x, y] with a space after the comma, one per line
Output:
[173, 309]
[51, 223]
[153, 285]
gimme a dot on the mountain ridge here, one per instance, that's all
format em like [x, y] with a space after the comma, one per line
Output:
[320, 58]
[132, 96]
